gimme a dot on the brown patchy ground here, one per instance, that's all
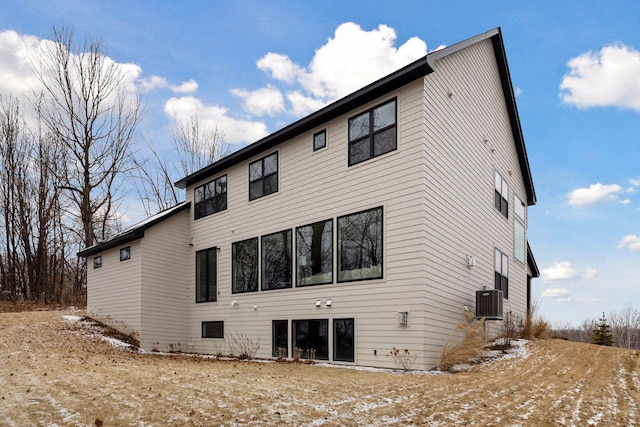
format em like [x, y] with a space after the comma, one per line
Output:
[57, 373]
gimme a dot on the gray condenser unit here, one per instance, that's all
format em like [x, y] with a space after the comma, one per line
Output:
[489, 304]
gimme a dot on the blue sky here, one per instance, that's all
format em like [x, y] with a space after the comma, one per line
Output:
[253, 66]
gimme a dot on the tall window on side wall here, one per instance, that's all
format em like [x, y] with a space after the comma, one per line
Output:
[519, 234]
[206, 275]
[502, 273]
[245, 265]
[210, 197]
[314, 254]
[276, 260]
[501, 194]
[263, 176]
[280, 338]
[360, 245]
[372, 133]
[343, 339]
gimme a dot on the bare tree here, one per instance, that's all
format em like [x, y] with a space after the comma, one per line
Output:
[88, 112]
[625, 327]
[197, 145]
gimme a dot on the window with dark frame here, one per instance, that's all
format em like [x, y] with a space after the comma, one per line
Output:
[97, 262]
[343, 340]
[263, 176]
[276, 260]
[244, 260]
[213, 329]
[501, 195]
[210, 198]
[125, 253]
[314, 254]
[372, 133]
[320, 140]
[502, 273]
[312, 335]
[360, 246]
[206, 275]
[280, 338]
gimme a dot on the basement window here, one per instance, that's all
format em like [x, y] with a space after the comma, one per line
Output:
[213, 329]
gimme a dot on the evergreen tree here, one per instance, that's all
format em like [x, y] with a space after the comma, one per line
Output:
[602, 333]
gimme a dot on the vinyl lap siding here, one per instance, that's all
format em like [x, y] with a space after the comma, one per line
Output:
[469, 136]
[316, 186]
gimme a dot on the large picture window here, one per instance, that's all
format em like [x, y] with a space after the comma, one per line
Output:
[501, 194]
[276, 260]
[360, 245]
[372, 133]
[502, 273]
[263, 176]
[206, 275]
[280, 338]
[314, 254]
[245, 265]
[312, 335]
[210, 197]
[343, 339]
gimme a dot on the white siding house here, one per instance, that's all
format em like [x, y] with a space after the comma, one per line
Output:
[367, 225]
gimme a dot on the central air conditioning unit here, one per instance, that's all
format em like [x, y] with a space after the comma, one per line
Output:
[489, 304]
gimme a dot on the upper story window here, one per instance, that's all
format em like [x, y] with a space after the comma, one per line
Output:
[360, 245]
[519, 208]
[244, 259]
[501, 279]
[263, 176]
[372, 133]
[501, 195]
[210, 197]
[276, 260]
[320, 140]
[314, 253]
[97, 262]
[125, 253]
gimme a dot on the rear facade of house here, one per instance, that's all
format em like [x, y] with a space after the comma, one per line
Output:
[368, 225]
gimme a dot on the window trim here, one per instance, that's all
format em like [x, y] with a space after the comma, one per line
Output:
[339, 247]
[297, 255]
[263, 177]
[125, 253]
[233, 266]
[501, 287]
[503, 202]
[372, 132]
[213, 199]
[324, 144]
[208, 298]
[263, 262]
[212, 322]
[97, 262]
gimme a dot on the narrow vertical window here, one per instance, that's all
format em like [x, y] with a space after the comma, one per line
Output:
[276, 260]
[501, 194]
[343, 340]
[372, 133]
[263, 176]
[125, 253]
[245, 265]
[502, 273]
[314, 254]
[206, 275]
[320, 140]
[360, 246]
[97, 262]
[280, 338]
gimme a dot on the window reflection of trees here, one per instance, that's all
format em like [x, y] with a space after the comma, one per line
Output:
[360, 245]
[314, 245]
[245, 265]
[276, 260]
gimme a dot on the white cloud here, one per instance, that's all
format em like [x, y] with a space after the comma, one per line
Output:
[608, 77]
[349, 60]
[558, 271]
[189, 86]
[635, 182]
[267, 100]
[517, 91]
[16, 72]
[561, 293]
[151, 83]
[596, 193]
[235, 131]
[625, 201]
[630, 241]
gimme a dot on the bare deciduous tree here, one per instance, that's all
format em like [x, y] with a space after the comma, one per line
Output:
[197, 145]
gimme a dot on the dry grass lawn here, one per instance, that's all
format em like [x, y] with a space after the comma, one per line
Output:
[55, 373]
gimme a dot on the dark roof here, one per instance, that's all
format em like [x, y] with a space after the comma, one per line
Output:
[411, 72]
[134, 232]
[531, 262]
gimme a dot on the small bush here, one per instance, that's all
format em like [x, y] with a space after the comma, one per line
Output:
[403, 359]
[464, 344]
[535, 326]
[245, 347]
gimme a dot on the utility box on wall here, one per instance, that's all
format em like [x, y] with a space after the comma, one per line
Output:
[489, 304]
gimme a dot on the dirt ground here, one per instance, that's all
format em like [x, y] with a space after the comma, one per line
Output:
[54, 372]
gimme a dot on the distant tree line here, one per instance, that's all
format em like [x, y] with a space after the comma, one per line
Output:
[620, 328]
[67, 159]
